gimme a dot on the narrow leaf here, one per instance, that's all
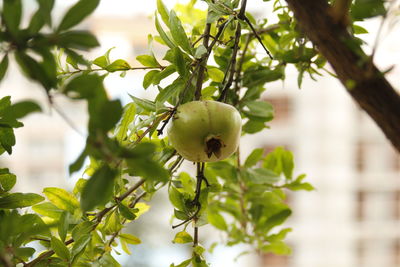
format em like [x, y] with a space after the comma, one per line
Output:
[77, 13]
[178, 32]
[162, 9]
[3, 66]
[130, 239]
[59, 248]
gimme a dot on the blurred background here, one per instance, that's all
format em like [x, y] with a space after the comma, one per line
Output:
[352, 219]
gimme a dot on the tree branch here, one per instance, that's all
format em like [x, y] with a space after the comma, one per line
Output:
[364, 82]
[203, 62]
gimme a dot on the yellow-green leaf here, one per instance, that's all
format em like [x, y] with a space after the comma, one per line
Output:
[182, 238]
[216, 75]
[62, 199]
[130, 239]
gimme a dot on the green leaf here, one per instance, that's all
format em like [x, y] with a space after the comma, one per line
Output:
[258, 77]
[126, 212]
[61, 198]
[149, 78]
[252, 126]
[179, 62]
[24, 252]
[144, 103]
[86, 87]
[48, 209]
[82, 229]
[216, 75]
[359, 30]
[278, 248]
[163, 11]
[262, 176]
[3, 66]
[63, 225]
[112, 223]
[44, 72]
[299, 185]
[148, 60]
[163, 35]
[180, 215]
[5, 103]
[363, 9]
[216, 219]
[11, 15]
[200, 51]
[176, 198]
[118, 65]
[101, 61]
[279, 236]
[163, 74]
[183, 238]
[78, 163]
[254, 157]
[82, 40]
[77, 13]
[147, 168]
[277, 219]
[59, 248]
[107, 260]
[178, 32]
[21, 109]
[80, 244]
[41, 17]
[19, 200]
[182, 264]
[7, 181]
[127, 119]
[259, 110]
[101, 181]
[280, 160]
[105, 116]
[7, 139]
[171, 91]
[130, 239]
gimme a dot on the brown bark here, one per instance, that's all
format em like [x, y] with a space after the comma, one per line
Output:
[364, 82]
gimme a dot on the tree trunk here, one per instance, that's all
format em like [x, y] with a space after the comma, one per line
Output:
[364, 82]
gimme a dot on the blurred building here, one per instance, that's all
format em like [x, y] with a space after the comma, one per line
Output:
[351, 220]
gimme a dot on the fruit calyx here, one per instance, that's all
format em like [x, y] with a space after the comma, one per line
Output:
[213, 146]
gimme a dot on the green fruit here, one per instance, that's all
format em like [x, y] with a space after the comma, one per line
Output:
[205, 131]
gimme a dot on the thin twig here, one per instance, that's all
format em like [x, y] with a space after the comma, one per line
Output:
[66, 119]
[257, 36]
[101, 69]
[232, 64]
[240, 64]
[45, 255]
[155, 123]
[165, 122]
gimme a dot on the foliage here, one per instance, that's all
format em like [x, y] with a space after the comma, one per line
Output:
[130, 159]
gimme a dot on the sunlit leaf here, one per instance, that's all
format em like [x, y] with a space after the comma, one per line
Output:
[61, 198]
[182, 238]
